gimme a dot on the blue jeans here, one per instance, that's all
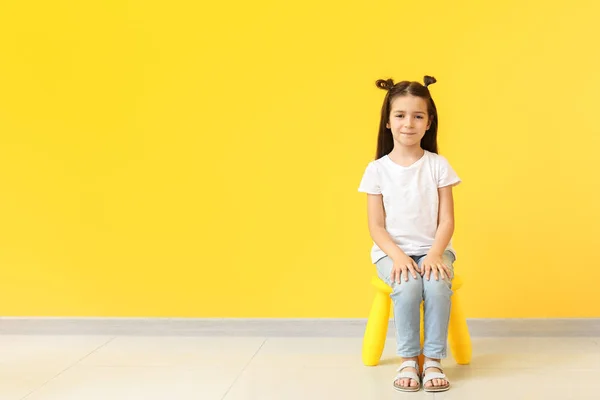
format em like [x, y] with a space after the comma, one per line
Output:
[407, 297]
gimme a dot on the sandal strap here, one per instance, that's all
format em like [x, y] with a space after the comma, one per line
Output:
[432, 364]
[433, 375]
[408, 364]
[408, 374]
[428, 376]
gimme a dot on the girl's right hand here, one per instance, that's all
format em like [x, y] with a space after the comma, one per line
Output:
[402, 266]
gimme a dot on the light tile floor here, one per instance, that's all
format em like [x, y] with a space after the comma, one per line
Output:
[243, 368]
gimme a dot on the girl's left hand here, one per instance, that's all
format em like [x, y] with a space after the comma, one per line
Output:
[434, 263]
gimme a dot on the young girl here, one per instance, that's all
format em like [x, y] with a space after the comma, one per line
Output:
[411, 221]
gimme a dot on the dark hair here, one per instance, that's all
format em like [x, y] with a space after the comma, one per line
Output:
[385, 140]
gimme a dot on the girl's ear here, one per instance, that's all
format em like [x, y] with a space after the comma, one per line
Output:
[429, 123]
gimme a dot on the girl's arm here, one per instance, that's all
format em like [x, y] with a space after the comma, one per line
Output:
[376, 216]
[445, 222]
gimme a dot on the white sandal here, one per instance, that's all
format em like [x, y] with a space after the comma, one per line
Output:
[408, 374]
[434, 375]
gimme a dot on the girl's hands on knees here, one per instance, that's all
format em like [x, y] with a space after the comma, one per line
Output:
[434, 263]
[403, 264]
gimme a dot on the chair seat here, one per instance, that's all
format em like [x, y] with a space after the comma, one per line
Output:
[381, 285]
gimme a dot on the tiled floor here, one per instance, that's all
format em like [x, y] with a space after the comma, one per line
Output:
[230, 368]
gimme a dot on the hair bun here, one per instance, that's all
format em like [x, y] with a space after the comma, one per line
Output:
[429, 80]
[385, 84]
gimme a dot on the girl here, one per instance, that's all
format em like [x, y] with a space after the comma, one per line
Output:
[411, 220]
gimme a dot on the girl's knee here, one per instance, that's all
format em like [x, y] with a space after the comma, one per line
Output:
[411, 289]
[441, 287]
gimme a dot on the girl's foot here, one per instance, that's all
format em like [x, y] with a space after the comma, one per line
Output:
[408, 382]
[435, 382]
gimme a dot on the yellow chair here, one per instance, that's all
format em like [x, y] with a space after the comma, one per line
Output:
[459, 339]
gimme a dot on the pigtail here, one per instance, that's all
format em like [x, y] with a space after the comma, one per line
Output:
[385, 84]
[429, 80]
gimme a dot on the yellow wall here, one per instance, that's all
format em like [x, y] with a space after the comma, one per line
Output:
[203, 160]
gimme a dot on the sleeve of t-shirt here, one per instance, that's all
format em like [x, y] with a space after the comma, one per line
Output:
[446, 174]
[370, 180]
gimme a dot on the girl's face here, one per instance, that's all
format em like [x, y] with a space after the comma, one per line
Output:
[408, 120]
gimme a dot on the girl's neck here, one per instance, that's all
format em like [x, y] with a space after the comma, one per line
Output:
[402, 153]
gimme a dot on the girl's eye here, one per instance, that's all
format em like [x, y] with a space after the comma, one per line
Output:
[400, 116]
[420, 116]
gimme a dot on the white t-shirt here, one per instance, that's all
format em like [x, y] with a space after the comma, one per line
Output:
[410, 200]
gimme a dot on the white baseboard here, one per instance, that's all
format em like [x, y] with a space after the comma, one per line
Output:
[276, 327]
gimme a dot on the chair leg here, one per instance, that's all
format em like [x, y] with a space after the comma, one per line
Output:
[458, 332]
[421, 357]
[376, 330]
